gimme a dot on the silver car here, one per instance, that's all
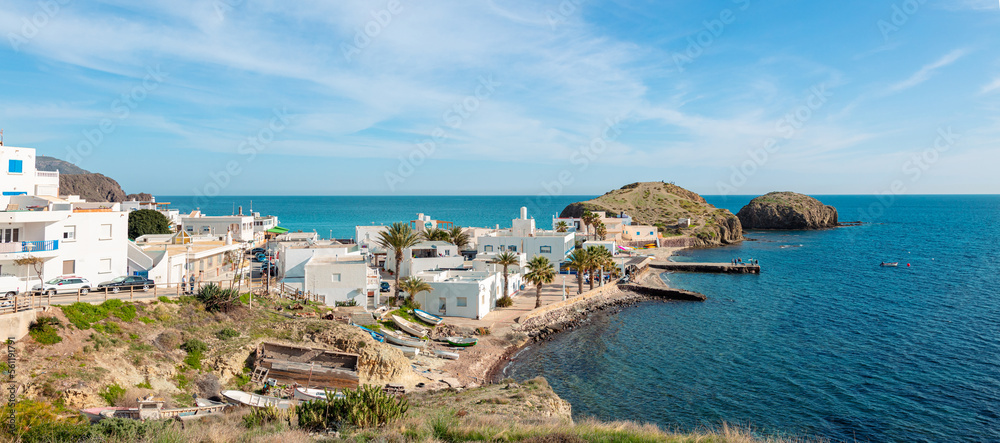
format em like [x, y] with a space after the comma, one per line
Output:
[64, 284]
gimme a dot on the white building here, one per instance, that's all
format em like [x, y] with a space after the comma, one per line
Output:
[71, 236]
[169, 258]
[172, 215]
[426, 256]
[341, 279]
[261, 224]
[639, 233]
[469, 294]
[241, 226]
[524, 237]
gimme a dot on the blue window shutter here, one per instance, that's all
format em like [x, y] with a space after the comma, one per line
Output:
[15, 166]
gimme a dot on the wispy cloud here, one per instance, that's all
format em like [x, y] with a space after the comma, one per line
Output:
[927, 71]
[991, 87]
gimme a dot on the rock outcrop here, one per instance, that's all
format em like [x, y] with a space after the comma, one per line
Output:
[663, 205]
[91, 187]
[787, 210]
[45, 163]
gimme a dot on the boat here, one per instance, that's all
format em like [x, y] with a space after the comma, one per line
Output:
[446, 354]
[395, 338]
[410, 327]
[461, 342]
[890, 264]
[258, 401]
[99, 413]
[375, 335]
[308, 394]
[427, 317]
[408, 351]
[152, 409]
[307, 366]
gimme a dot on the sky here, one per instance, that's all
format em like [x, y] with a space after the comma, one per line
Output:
[570, 97]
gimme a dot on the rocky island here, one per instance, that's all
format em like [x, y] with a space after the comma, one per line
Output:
[663, 205]
[787, 210]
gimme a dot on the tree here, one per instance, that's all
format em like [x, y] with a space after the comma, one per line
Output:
[562, 226]
[36, 264]
[398, 237]
[600, 230]
[412, 286]
[506, 259]
[600, 259]
[540, 272]
[579, 261]
[435, 234]
[590, 219]
[458, 237]
[147, 221]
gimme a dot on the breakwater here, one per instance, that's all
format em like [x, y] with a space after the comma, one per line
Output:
[716, 268]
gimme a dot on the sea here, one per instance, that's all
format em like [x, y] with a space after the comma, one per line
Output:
[824, 343]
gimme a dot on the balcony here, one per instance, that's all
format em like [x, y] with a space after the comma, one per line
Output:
[29, 246]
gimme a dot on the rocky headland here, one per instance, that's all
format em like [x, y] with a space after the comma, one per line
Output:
[90, 186]
[787, 210]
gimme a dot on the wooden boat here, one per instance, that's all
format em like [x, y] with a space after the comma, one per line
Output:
[410, 327]
[308, 394]
[99, 413]
[427, 317]
[308, 366]
[890, 264]
[408, 351]
[377, 336]
[257, 401]
[395, 338]
[446, 354]
[461, 342]
[152, 409]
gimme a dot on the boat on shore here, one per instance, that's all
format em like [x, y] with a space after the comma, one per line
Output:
[890, 264]
[309, 394]
[395, 338]
[257, 400]
[152, 409]
[446, 354]
[377, 336]
[427, 317]
[410, 327]
[461, 342]
[408, 351]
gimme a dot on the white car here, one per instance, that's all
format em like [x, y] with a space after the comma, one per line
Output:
[66, 283]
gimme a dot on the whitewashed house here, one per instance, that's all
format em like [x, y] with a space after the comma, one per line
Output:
[426, 256]
[241, 227]
[341, 279]
[469, 294]
[524, 237]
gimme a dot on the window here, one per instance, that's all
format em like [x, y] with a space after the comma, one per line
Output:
[462, 302]
[545, 250]
[69, 233]
[105, 232]
[488, 248]
[105, 266]
[15, 166]
[335, 278]
[189, 228]
[9, 235]
[69, 266]
[512, 248]
[206, 229]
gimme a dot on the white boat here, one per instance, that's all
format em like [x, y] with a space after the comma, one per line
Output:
[408, 351]
[427, 317]
[257, 401]
[446, 354]
[394, 338]
[410, 327]
[307, 394]
[461, 342]
[891, 264]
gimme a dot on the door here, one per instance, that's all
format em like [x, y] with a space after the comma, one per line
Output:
[69, 267]
[442, 305]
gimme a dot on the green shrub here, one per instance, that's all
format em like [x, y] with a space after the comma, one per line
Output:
[145, 385]
[227, 333]
[45, 330]
[112, 394]
[218, 299]
[146, 320]
[125, 429]
[409, 305]
[365, 407]
[164, 299]
[83, 315]
[196, 350]
[260, 417]
[505, 302]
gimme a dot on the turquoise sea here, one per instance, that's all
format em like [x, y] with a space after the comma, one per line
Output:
[824, 343]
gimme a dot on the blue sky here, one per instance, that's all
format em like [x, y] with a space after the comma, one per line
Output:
[240, 97]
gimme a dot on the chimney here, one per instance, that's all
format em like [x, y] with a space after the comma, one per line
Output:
[524, 213]
[241, 210]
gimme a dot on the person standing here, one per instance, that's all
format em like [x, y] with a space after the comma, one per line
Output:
[192, 283]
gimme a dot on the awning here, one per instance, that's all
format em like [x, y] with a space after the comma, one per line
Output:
[277, 230]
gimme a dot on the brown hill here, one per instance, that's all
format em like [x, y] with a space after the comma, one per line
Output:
[787, 210]
[91, 187]
[663, 204]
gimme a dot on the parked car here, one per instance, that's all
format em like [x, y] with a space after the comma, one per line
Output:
[256, 251]
[125, 282]
[260, 257]
[384, 287]
[9, 286]
[64, 284]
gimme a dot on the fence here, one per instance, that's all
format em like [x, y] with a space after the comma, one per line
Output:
[29, 246]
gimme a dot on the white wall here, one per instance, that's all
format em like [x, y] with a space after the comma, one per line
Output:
[480, 294]
[352, 280]
[241, 226]
[532, 246]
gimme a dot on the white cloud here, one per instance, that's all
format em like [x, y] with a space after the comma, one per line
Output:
[925, 72]
[991, 87]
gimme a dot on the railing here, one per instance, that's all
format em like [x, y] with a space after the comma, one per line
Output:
[15, 304]
[49, 174]
[29, 246]
[92, 210]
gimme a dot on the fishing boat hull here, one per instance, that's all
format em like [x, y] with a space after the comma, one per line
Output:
[410, 327]
[890, 265]
[309, 394]
[403, 341]
[427, 317]
[375, 335]
[408, 351]
[461, 342]
[257, 401]
[446, 354]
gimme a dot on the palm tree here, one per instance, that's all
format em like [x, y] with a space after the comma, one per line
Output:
[506, 259]
[579, 261]
[458, 237]
[600, 230]
[562, 226]
[590, 219]
[540, 271]
[597, 256]
[398, 237]
[435, 234]
[412, 286]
